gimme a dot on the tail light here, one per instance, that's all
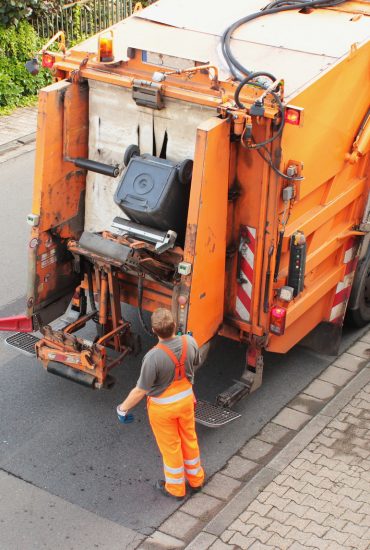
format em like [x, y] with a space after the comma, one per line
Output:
[105, 53]
[182, 300]
[277, 320]
[182, 312]
[48, 60]
[294, 115]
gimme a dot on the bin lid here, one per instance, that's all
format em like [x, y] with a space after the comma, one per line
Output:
[143, 183]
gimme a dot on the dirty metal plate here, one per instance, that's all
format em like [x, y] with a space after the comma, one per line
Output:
[213, 417]
[23, 342]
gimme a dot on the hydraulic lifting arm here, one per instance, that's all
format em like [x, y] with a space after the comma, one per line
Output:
[361, 145]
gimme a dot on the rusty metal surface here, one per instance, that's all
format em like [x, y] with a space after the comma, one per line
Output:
[58, 196]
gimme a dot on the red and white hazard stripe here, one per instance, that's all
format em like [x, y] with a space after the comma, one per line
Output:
[343, 289]
[246, 275]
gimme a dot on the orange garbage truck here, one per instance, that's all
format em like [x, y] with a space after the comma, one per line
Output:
[213, 162]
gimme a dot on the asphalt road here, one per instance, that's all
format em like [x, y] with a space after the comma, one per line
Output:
[65, 438]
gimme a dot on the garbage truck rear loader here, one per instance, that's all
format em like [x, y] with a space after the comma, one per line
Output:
[219, 172]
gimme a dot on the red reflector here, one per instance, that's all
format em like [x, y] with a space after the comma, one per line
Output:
[293, 116]
[48, 60]
[18, 323]
[277, 320]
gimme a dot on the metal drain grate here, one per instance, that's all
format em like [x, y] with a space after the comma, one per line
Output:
[213, 417]
[23, 341]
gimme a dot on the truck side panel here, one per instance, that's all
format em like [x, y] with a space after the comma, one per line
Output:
[330, 201]
[254, 218]
[206, 228]
[59, 196]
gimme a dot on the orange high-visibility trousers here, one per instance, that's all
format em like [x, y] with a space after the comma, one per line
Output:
[171, 417]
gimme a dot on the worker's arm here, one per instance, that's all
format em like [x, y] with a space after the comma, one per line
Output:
[133, 398]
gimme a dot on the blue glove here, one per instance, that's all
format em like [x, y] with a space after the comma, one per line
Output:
[124, 417]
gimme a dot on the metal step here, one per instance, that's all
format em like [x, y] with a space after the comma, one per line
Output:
[23, 342]
[212, 416]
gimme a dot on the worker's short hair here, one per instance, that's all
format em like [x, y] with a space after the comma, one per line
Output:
[163, 323]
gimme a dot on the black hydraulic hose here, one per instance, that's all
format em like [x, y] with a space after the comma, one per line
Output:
[323, 3]
[277, 7]
[243, 83]
[248, 79]
[280, 129]
[278, 254]
[139, 306]
[231, 60]
[273, 167]
[238, 70]
[90, 287]
[267, 281]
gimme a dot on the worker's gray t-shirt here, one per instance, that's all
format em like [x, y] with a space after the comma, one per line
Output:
[158, 370]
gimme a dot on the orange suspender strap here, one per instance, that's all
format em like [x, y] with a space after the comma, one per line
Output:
[180, 372]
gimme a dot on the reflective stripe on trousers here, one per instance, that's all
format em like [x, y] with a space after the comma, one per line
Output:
[172, 398]
[173, 425]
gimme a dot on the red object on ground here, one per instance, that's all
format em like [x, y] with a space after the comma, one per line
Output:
[18, 323]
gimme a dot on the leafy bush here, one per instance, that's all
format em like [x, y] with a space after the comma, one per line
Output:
[17, 85]
[14, 11]
[11, 13]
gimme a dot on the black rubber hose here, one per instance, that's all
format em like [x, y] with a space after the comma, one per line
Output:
[266, 306]
[235, 66]
[278, 7]
[278, 255]
[139, 306]
[231, 60]
[282, 113]
[91, 287]
[248, 79]
[273, 167]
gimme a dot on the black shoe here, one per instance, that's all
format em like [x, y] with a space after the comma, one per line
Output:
[160, 485]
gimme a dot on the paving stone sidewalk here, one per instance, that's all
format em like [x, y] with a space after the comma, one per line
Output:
[17, 132]
[302, 482]
[321, 499]
[19, 124]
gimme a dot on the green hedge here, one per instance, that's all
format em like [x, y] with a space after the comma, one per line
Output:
[12, 12]
[17, 86]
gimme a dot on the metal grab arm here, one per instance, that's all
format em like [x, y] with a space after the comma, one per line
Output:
[95, 166]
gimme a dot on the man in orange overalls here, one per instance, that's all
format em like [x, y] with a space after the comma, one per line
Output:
[166, 377]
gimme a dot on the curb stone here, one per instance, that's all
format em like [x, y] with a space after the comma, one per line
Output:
[16, 151]
[17, 133]
[282, 444]
[15, 143]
